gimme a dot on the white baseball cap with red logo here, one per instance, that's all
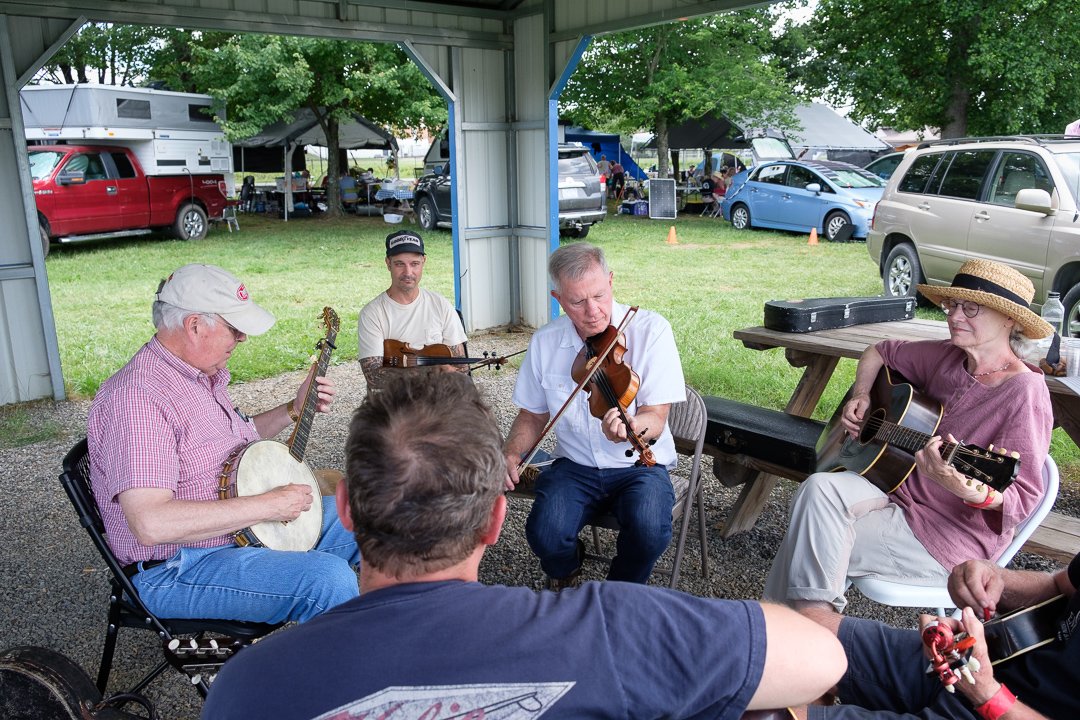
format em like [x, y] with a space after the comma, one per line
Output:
[210, 289]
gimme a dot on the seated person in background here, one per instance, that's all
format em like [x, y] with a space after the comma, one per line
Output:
[159, 431]
[347, 187]
[406, 312]
[426, 638]
[592, 471]
[887, 676]
[368, 176]
[844, 526]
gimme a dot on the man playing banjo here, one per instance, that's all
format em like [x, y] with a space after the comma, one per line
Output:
[159, 432]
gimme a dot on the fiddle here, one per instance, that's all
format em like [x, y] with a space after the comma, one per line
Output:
[591, 367]
[613, 384]
[398, 354]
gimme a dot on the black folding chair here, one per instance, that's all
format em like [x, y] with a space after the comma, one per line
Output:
[126, 609]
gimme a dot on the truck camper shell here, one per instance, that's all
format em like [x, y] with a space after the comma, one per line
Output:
[171, 133]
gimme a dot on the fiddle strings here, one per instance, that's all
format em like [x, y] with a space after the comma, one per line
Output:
[600, 379]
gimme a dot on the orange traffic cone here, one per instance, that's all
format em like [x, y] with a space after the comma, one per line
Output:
[813, 237]
[671, 239]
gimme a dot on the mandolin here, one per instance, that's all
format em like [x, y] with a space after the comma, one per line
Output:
[900, 422]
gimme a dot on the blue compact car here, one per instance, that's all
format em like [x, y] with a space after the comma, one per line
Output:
[799, 195]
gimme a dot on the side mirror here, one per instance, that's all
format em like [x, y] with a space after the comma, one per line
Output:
[1035, 200]
[814, 188]
[72, 177]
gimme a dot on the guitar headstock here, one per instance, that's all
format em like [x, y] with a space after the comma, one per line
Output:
[996, 469]
[331, 320]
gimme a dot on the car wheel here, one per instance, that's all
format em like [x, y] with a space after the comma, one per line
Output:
[190, 223]
[44, 240]
[580, 233]
[834, 223]
[425, 213]
[740, 217]
[1071, 325]
[902, 271]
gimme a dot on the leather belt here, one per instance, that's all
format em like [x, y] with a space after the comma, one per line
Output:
[133, 569]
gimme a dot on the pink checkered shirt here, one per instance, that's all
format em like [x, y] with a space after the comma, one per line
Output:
[161, 423]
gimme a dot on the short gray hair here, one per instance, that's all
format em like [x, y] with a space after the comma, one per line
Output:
[572, 261]
[424, 466]
[171, 317]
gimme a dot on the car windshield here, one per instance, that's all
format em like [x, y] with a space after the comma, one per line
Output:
[1070, 167]
[855, 179]
[42, 163]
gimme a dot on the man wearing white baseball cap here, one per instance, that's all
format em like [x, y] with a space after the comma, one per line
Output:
[406, 312]
[159, 432]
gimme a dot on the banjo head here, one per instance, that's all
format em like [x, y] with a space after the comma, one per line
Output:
[265, 465]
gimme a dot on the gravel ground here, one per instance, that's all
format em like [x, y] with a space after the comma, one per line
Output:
[54, 589]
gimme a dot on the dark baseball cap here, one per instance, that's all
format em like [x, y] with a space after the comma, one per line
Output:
[404, 241]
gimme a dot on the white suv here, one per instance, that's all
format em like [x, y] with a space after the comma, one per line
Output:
[1009, 199]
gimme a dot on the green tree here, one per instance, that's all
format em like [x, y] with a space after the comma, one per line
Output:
[264, 78]
[968, 67]
[112, 54]
[657, 77]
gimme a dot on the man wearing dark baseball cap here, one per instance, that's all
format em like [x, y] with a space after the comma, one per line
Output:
[159, 432]
[406, 312]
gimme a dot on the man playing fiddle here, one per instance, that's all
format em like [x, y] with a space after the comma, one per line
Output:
[406, 312]
[592, 471]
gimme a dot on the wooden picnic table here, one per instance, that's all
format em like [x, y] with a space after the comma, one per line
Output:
[819, 353]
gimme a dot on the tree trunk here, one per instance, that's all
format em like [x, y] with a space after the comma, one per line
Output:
[661, 145]
[333, 169]
[956, 127]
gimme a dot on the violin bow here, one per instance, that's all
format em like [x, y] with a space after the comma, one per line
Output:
[598, 361]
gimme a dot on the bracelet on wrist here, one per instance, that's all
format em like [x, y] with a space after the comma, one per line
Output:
[991, 495]
[290, 407]
[998, 704]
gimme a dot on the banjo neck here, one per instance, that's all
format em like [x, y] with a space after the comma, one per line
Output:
[302, 430]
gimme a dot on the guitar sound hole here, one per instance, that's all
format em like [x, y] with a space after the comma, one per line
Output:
[871, 426]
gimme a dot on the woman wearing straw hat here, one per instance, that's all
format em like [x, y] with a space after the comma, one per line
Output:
[843, 526]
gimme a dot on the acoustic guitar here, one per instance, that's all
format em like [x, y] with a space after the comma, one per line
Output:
[263, 465]
[900, 422]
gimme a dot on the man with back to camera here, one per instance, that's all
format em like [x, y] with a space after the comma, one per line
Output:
[406, 312]
[424, 494]
[159, 431]
[595, 467]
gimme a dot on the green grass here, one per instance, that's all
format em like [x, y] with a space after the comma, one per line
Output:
[714, 281]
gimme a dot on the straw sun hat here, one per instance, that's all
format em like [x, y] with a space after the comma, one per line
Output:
[997, 287]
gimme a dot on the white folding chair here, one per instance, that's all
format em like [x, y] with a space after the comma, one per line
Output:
[889, 592]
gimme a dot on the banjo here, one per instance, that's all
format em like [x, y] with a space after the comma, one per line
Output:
[263, 465]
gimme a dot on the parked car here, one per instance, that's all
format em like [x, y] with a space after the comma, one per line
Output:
[801, 195]
[1011, 199]
[88, 192]
[582, 194]
[885, 165]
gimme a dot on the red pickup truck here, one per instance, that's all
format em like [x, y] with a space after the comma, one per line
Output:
[88, 192]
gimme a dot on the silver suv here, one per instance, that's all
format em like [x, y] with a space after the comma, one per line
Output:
[582, 193]
[1009, 199]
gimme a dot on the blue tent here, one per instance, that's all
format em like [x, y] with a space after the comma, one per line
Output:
[605, 144]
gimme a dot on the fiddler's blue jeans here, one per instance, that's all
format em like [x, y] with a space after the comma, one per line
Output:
[567, 497]
[253, 583]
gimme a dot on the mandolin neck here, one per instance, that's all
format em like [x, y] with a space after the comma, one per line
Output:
[298, 442]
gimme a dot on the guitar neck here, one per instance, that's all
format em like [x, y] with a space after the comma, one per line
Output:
[299, 440]
[910, 440]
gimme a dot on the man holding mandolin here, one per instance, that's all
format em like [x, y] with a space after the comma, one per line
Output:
[406, 316]
[916, 527]
[614, 447]
[159, 432]
[1035, 651]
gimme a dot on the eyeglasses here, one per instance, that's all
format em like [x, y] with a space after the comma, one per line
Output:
[237, 335]
[970, 308]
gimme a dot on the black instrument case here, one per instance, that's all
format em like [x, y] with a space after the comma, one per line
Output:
[812, 314]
